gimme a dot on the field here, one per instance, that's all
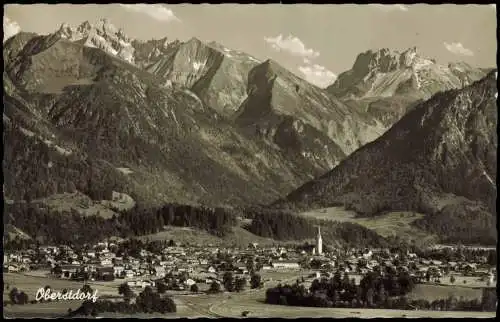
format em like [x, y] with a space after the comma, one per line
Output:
[471, 281]
[228, 304]
[238, 237]
[30, 285]
[234, 305]
[437, 292]
[393, 223]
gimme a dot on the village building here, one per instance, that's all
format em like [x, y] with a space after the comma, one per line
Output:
[285, 264]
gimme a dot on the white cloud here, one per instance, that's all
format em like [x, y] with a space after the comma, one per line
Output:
[292, 45]
[155, 11]
[458, 49]
[318, 75]
[10, 28]
[391, 7]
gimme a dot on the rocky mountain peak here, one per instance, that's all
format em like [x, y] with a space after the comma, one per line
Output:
[385, 60]
[384, 73]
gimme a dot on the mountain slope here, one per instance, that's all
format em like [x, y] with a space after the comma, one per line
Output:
[174, 115]
[82, 112]
[116, 115]
[442, 149]
[297, 116]
[215, 73]
[287, 113]
[385, 83]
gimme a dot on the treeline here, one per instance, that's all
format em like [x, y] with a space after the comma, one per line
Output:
[461, 223]
[282, 225]
[374, 291]
[49, 226]
[65, 227]
[148, 301]
[55, 173]
[461, 254]
[217, 221]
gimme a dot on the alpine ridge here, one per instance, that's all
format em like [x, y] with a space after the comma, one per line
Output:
[160, 120]
[440, 155]
[388, 83]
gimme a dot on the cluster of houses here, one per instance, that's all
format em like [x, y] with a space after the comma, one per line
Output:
[100, 263]
[208, 263]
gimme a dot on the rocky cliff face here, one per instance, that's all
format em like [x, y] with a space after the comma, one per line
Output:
[444, 149]
[215, 73]
[81, 112]
[386, 83]
[281, 104]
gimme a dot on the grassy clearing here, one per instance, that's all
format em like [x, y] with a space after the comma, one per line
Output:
[437, 292]
[234, 309]
[253, 301]
[393, 223]
[239, 237]
[41, 310]
[78, 202]
[471, 281]
[31, 283]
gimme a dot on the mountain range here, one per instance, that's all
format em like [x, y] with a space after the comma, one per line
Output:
[180, 115]
[386, 84]
[88, 109]
[440, 159]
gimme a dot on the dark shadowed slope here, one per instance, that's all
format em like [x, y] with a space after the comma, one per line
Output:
[97, 107]
[445, 147]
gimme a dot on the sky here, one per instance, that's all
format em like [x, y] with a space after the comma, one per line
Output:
[316, 42]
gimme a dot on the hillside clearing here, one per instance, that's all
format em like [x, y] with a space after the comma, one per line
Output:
[389, 224]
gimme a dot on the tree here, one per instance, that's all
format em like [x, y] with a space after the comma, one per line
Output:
[194, 288]
[22, 298]
[255, 281]
[240, 284]
[13, 294]
[57, 270]
[214, 287]
[369, 297]
[250, 265]
[125, 290]
[86, 289]
[228, 281]
[161, 287]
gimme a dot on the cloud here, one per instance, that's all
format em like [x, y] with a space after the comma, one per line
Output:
[391, 7]
[155, 11]
[318, 75]
[292, 45]
[10, 28]
[458, 49]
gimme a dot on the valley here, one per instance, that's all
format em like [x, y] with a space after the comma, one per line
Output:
[180, 176]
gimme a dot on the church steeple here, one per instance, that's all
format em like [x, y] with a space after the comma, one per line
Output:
[319, 242]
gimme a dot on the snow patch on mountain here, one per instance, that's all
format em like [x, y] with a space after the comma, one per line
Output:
[26, 132]
[198, 65]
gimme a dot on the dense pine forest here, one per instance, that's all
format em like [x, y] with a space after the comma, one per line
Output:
[64, 227]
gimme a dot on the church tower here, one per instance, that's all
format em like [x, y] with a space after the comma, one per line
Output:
[319, 243]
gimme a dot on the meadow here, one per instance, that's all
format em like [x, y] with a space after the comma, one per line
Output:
[388, 224]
